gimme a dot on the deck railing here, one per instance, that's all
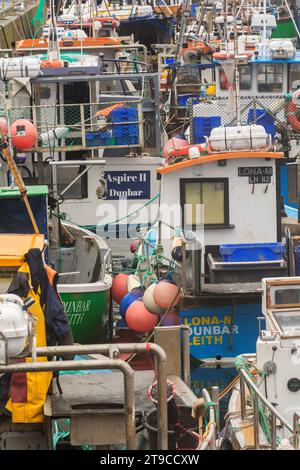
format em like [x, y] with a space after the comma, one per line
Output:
[84, 129]
[275, 416]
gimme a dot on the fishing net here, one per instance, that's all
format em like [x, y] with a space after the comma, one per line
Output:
[38, 19]
[229, 67]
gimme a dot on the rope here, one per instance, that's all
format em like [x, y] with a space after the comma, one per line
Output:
[66, 216]
[240, 363]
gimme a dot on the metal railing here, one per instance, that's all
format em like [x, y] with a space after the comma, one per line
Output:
[274, 105]
[113, 361]
[209, 440]
[83, 130]
[274, 414]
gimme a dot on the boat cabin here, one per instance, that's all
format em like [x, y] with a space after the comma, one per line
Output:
[227, 207]
[278, 345]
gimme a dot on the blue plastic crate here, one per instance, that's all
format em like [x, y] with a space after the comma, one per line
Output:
[262, 118]
[124, 115]
[127, 140]
[183, 99]
[96, 139]
[252, 252]
[202, 126]
[297, 260]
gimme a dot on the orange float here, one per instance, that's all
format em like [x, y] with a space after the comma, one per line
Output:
[139, 319]
[119, 287]
[23, 134]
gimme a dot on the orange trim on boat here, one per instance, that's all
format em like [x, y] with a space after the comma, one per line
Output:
[13, 247]
[68, 42]
[216, 157]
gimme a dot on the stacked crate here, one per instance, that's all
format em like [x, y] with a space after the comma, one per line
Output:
[97, 139]
[125, 129]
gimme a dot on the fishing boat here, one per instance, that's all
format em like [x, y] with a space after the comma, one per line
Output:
[83, 261]
[85, 107]
[263, 410]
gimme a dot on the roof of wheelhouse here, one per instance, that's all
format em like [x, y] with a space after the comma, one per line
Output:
[216, 157]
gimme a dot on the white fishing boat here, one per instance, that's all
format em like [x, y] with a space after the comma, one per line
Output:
[264, 409]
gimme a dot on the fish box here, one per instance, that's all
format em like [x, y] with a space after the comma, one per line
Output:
[252, 252]
[238, 138]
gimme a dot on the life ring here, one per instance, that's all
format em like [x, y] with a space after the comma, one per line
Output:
[223, 55]
[187, 151]
[290, 109]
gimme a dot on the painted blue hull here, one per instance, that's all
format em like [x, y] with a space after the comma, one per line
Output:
[224, 329]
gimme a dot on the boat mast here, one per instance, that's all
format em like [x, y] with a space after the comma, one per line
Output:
[53, 46]
[264, 42]
[236, 69]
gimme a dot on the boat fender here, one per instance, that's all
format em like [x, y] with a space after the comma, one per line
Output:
[291, 109]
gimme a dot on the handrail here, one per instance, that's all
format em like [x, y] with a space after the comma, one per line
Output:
[244, 378]
[114, 350]
[96, 364]
[210, 440]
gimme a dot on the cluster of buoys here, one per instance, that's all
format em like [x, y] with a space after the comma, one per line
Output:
[142, 309]
[23, 133]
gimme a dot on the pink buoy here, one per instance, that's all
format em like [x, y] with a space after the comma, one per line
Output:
[23, 134]
[149, 303]
[119, 287]
[171, 319]
[175, 143]
[166, 295]
[3, 127]
[139, 319]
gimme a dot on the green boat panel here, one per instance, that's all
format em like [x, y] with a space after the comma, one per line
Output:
[88, 315]
[36, 190]
[284, 29]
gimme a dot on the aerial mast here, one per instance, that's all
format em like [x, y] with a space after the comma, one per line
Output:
[53, 46]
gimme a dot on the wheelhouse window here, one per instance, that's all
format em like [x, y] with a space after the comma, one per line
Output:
[270, 78]
[210, 195]
[245, 78]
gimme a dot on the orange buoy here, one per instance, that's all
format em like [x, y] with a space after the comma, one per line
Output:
[166, 295]
[149, 301]
[3, 127]
[139, 319]
[23, 134]
[119, 287]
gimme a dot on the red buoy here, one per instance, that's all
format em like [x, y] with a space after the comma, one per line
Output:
[139, 319]
[166, 295]
[3, 127]
[134, 245]
[23, 134]
[119, 287]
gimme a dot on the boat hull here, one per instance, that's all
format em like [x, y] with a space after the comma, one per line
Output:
[88, 314]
